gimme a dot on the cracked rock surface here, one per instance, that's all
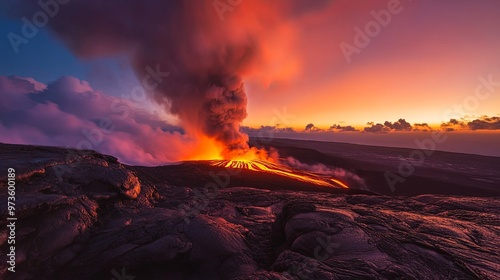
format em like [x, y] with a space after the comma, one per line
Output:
[86, 216]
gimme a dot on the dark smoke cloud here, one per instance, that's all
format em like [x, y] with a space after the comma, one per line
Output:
[204, 57]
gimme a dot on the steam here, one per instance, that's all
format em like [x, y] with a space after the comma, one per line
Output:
[203, 56]
[353, 180]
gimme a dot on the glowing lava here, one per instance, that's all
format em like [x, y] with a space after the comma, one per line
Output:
[259, 160]
[277, 169]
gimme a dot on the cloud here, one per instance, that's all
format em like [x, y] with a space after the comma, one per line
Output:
[195, 56]
[399, 125]
[376, 128]
[424, 127]
[339, 128]
[311, 127]
[70, 113]
[485, 123]
[452, 125]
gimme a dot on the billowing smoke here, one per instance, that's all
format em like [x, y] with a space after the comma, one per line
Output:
[353, 180]
[190, 53]
[225, 109]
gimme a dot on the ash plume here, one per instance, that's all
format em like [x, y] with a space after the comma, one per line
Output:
[204, 56]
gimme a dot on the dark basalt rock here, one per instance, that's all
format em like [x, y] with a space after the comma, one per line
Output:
[103, 220]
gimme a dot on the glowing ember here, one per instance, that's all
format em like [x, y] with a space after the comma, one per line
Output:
[277, 169]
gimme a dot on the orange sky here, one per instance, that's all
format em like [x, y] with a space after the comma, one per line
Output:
[423, 63]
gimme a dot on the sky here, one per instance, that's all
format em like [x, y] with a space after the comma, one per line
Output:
[426, 60]
[317, 66]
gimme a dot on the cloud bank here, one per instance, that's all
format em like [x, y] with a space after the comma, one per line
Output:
[70, 113]
[485, 123]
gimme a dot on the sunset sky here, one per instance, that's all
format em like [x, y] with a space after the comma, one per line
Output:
[428, 62]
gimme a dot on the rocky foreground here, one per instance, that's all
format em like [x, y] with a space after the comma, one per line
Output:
[86, 216]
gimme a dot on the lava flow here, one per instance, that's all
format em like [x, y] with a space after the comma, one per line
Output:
[260, 165]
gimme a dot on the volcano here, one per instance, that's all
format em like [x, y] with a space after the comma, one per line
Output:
[95, 218]
[257, 173]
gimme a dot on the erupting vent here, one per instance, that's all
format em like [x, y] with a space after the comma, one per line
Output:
[277, 169]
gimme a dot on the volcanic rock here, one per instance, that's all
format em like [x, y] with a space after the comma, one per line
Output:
[104, 220]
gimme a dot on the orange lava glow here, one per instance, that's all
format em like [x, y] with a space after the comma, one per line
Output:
[260, 165]
[258, 160]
